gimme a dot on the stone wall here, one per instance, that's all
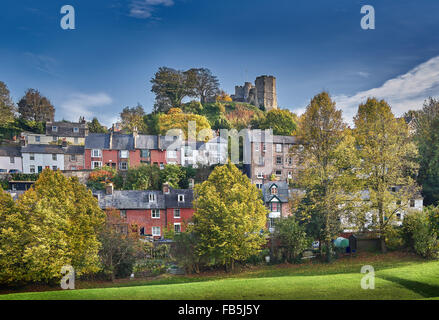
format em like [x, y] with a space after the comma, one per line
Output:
[262, 94]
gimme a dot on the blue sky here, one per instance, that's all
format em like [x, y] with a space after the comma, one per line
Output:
[106, 63]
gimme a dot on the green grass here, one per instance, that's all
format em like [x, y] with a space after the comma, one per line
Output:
[396, 278]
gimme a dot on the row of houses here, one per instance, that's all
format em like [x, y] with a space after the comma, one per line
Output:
[70, 147]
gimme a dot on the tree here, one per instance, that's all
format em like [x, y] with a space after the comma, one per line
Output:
[175, 119]
[283, 122]
[170, 87]
[152, 123]
[33, 106]
[7, 107]
[143, 177]
[132, 118]
[205, 84]
[291, 237]
[95, 127]
[172, 174]
[223, 97]
[229, 217]
[329, 157]
[388, 161]
[427, 141]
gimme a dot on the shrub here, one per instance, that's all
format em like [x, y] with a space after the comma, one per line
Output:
[394, 238]
[419, 235]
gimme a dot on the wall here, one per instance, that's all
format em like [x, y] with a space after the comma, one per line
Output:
[43, 160]
[186, 215]
[68, 163]
[143, 219]
[5, 163]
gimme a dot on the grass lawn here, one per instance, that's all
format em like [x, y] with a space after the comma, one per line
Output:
[397, 277]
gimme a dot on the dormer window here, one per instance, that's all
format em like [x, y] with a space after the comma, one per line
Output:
[181, 198]
[273, 190]
[152, 197]
[54, 128]
[124, 154]
[75, 130]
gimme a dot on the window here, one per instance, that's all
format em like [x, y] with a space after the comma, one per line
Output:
[54, 128]
[54, 139]
[155, 213]
[171, 154]
[398, 216]
[275, 207]
[177, 227]
[96, 153]
[73, 157]
[123, 166]
[290, 175]
[162, 166]
[75, 130]
[96, 164]
[142, 231]
[73, 168]
[278, 173]
[32, 156]
[278, 147]
[259, 185]
[156, 231]
[54, 157]
[412, 203]
[37, 139]
[271, 223]
[290, 161]
[181, 198]
[123, 214]
[264, 148]
[144, 153]
[273, 190]
[278, 160]
[12, 160]
[124, 154]
[152, 197]
[260, 175]
[54, 168]
[32, 169]
[177, 213]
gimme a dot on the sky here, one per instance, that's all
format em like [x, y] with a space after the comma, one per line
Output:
[106, 63]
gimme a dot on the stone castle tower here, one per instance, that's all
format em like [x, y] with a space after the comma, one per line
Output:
[262, 94]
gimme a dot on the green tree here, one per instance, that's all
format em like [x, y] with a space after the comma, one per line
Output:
[7, 107]
[143, 177]
[172, 174]
[427, 140]
[35, 107]
[229, 217]
[283, 122]
[132, 118]
[388, 160]
[329, 156]
[152, 123]
[205, 84]
[95, 127]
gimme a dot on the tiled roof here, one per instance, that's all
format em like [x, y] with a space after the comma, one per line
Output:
[172, 198]
[102, 141]
[65, 129]
[131, 199]
[282, 191]
[146, 142]
[285, 139]
[13, 151]
[75, 150]
[122, 142]
[97, 141]
[42, 148]
[166, 141]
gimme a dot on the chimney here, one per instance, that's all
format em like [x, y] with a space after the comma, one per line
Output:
[135, 135]
[191, 183]
[166, 188]
[23, 141]
[111, 138]
[64, 144]
[109, 189]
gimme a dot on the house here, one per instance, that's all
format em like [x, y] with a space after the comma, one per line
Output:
[199, 153]
[74, 158]
[145, 144]
[152, 211]
[110, 149]
[73, 133]
[276, 197]
[273, 155]
[37, 157]
[10, 159]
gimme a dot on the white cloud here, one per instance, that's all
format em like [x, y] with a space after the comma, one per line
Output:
[143, 9]
[88, 106]
[405, 92]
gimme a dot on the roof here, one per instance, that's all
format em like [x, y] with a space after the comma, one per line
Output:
[75, 150]
[10, 151]
[172, 198]
[285, 139]
[131, 199]
[65, 129]
[97, 141]
[122, 142]
[147, 142]
[166, 141]
[43, 148]
[258, 135]
[282, 191]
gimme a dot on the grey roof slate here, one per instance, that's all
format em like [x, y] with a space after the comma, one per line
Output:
[285, 139]
[75, 150]
[131, 199]
[42, 148]
[65, 129]
[146, 142]
[97, 141]
[172, 198]
[282, 191]
[122, 142]
[10, 151]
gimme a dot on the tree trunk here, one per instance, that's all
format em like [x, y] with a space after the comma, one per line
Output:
[383, 244]
[328, 251]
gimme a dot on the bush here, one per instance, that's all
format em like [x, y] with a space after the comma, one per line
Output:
[419, 235]
[259, 258]
[394, 238]
[146, 268]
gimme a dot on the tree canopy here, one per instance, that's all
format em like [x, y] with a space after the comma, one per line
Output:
[36, 107]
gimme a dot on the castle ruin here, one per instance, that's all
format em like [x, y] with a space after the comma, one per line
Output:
[262, 94]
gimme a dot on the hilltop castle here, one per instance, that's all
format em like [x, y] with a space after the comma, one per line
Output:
[262, 94]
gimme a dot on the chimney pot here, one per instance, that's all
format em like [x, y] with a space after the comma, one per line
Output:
[109, 189]
[166, 188]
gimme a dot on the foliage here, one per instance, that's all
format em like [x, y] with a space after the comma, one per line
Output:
[173, 174]
[291, 238]
[53, 224]
[7, 107]
[95, 127]
[205, 84]
[427, 141]
[223, 97]
[229, 217]
[241, 116]
[99, 177]
[394, 238]
[283, 122]
[149, 267]
[388, 160]
[184, 252]
[420, 234]
[152, 123]
[143, 177]
[35, 107]
[175, 119]
[132, 119]
[194, 107]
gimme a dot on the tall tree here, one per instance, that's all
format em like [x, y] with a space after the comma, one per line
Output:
[132, 118]
[329, 156]
[7, 107]
[229, 217]
[205, 84]
[427, 140]
[34, 106]
[171, 87]
[388, 161]
[283, 122]
[95, 127]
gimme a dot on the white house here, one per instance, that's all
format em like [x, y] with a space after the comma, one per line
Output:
[215, 151]
[37, 157]
[10, 159]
